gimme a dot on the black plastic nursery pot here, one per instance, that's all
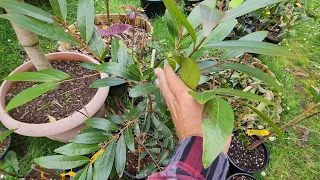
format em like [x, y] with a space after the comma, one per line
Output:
[241, 176]
[153, 8]
[247, 161]
[7, 144]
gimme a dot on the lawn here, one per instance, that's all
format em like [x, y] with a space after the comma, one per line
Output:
[297, 158]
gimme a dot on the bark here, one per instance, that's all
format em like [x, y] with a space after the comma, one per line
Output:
[30, 43]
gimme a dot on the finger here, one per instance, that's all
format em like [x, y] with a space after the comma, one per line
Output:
[175, 84]
[163, 85]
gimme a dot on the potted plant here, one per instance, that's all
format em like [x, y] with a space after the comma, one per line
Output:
[153, 8]
[5, 141]
[48, 122]
[241, 176]
[247, 161]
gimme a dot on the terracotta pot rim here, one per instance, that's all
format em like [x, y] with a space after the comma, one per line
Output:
[62, 125]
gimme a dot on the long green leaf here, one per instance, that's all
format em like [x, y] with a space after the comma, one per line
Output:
[85, 19]
[104, 163]
[217, 126]
[38, 27]
[128, 137]
[120, 160]
[27, 9]
[96, 45]
[30, 94]
[250, 47]
[61, 161]
[203, 97]
[109, 81]
[6, 133]
[256, 36]
[124, 59]
[82, 175]
[55, 72]
[91, 138]
[254, 72]
[114, 49]
[116, 69]
[249, 6]
[90, 173]
[173, 27]
[73, 149]
[100, 123]
[211, 17]
[265, 118]
[46, 75]
[142, 89]
[238, 93]
[60, 9]
[235, 3]
[161, 126]
[115, 119]
[190, 72]
[137, 111]
[161, 103]
[175, 12]
[221, 31]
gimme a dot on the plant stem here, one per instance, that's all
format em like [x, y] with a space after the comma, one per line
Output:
[240, 118]
[197, 48]
[286, 126]
[155, 162]
[150, 104]
[108, 13]
[46, 171]
[65, 27]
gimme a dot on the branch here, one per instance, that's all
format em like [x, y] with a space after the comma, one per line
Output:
[287, 125]
[155, 162]
[65, 27]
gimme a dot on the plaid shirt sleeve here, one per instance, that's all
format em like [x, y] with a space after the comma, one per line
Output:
[186, 164]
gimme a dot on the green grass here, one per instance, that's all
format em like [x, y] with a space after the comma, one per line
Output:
[288, 161]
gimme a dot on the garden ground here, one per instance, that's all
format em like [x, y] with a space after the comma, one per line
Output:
[297, 158]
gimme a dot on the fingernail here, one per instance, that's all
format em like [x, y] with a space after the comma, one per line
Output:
[157, 82]
[156, 71]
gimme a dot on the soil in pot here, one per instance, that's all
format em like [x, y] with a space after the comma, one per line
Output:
[132, 163]
[273, 36]
[60, 103]
[241, 177]
[248, 160]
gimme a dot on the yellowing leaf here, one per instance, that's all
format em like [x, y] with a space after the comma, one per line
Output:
[263, 132]
[51, 118]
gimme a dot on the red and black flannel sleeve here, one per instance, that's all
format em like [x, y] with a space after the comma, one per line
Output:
[186, 164]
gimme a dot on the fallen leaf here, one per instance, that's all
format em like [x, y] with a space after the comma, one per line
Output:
[300, 73]
[51, 118]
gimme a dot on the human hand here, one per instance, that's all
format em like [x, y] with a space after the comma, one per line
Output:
[186, 112]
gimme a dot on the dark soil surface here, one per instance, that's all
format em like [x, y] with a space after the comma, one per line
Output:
[241, 177]
[132, 162]
[4, 144]
[60, 103]
[247, 160]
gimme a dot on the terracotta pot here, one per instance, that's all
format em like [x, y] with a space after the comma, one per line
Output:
[64, 129]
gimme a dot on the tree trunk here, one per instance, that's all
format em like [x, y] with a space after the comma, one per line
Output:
[30, 43]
